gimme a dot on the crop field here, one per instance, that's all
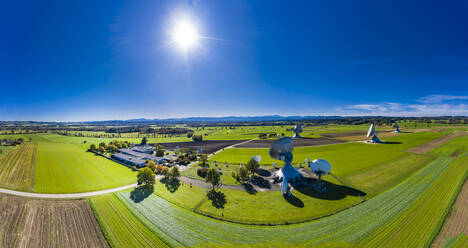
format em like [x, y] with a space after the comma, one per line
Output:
[457, 221]
[40, 223]
[17, 167]
[425, 148]
[370, 223]
[459, 241]
[121, 227]
[66, 168]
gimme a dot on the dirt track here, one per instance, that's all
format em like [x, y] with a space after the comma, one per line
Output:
[457, 221]
[425, 148]
[297, 142]
[48, 223]
[208, 146]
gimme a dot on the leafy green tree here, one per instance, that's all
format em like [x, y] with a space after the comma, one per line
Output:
[151, 164]
[102, 149]
[252, 166]
[165, 171]
[144, 140]
[146, 177]
[92, 147]
[213, 177]
[243, 174]
[174, 173]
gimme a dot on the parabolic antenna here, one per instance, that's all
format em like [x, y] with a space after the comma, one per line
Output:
[282, 150]
[397, 128]
[320, 167]
[297, 129]
[373, 133]
[257, 158]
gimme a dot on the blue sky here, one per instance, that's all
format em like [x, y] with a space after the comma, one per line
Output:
[99, 60]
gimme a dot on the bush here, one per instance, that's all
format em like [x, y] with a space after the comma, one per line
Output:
[202, 172]
[159, 169]
[197, 138]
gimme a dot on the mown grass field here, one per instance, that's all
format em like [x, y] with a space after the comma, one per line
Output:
[17, 167]
[364, 224]
[67, 168]
[120, 226]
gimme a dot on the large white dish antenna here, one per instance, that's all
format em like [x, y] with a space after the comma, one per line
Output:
[371, 130]
[282, 149]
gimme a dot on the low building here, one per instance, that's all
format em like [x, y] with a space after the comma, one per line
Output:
[144, 149]
[130, 160]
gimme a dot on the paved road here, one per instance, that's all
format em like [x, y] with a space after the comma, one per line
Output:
[66, 196]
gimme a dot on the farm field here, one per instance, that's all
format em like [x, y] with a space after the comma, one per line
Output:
[120, 226]
[457, 221]
[17, 167]
[68, 168]
[42, 223]
[376, 217]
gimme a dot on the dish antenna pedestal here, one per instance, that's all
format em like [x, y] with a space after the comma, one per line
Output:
[282, 150]
[397, 128]
[297, 130]
[374, 134]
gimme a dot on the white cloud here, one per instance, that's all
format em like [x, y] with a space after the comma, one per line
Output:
[432, 105]
[440, 98]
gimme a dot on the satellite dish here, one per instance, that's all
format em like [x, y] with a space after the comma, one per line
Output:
[257, 158]
[307, 160]
[373, 133]
[320, 167]
[297, 129]
[397, 128]
[282, 150]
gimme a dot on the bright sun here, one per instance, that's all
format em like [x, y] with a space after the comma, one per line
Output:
[185, 35]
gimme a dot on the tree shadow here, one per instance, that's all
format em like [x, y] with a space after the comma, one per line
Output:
[260, 182]
[249, 188]
[263, 172]
[335, 191]
[294, 200]
[217, 198]
[140, 193]
[172, 184]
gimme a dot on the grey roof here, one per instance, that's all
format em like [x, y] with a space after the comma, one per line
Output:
[130, 159]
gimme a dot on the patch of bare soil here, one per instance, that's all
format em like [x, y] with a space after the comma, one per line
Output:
[48, 223]
[457, 221]
[425, 148]
[208, 146]
[297, 142]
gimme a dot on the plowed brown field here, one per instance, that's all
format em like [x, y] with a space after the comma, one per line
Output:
[48, 223]
[17, 167]
[425, 148]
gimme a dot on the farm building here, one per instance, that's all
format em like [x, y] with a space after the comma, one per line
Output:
[144, 149]
[131, 160]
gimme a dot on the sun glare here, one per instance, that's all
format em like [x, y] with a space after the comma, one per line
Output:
[185, 35]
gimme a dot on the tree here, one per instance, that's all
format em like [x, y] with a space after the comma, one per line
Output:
[174, 173]
[92, 147]
[151, 164]
[252, 166]
[144, 140]
[243, 173]
[102, 144]
[146, 177]
[204, 159]
[197, 138]
[165, 171]
[102, 149]
[213, 177]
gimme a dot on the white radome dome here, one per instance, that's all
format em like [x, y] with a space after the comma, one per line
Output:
[320, 165]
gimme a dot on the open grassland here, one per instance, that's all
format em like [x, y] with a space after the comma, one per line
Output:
[457, 221]
[67, 168]
[347, 159]
[378, 217]
[457, 145]
[17, 167]
[39, 223]
[120, 226]
[425, 148]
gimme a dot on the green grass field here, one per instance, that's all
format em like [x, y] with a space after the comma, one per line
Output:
[17, 166]
[67, 168]
[121, 228]
[376, 218]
